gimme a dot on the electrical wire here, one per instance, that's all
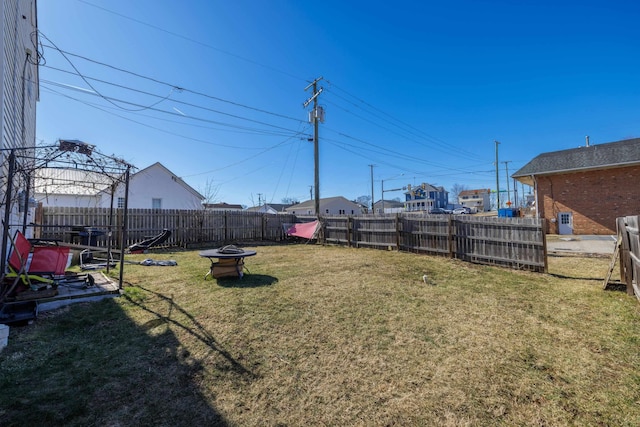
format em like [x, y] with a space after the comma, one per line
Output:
[434, 142]
[282, 169]
[243, 160]
[155, 27]
[164, 130]
[174, 87]
[169, 112]
[109, 100]
[182, 89]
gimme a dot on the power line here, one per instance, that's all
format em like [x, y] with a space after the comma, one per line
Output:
[174, 87]
[243, 160]
[169, 112]
[386, 117]
[155, 27]
[455, 171]
[89, 84]
[100, 108]
[151, 79]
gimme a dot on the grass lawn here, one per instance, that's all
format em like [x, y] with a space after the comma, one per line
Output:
[334, 336]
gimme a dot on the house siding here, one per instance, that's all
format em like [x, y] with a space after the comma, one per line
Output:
[156, 182]
[595, 198]
[479, 200]
[19, 79]
[330, 206]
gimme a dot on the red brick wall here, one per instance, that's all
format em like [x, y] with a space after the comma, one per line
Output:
[595, 198]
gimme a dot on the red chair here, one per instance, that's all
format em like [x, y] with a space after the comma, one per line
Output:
[41, 264]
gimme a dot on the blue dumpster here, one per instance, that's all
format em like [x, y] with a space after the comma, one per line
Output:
[507, 213]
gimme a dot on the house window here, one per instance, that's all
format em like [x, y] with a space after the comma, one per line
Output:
[120, 202]
[327, 210]
[341, 211]
[156, 203]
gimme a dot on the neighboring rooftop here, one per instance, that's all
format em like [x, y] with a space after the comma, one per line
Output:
[223, 205]
[474, 192]
[597, 156]
[70, 181]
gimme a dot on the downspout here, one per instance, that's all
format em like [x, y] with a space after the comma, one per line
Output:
[535, 194]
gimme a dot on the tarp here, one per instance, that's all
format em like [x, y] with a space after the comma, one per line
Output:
[306, 230]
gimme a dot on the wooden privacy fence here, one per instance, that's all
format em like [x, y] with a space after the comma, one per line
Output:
[629, 251]
[188, 227]
[512, 242]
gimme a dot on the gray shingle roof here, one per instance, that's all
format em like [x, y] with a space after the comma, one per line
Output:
[599, 156]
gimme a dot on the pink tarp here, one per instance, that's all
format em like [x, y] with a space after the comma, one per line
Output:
[306, 230]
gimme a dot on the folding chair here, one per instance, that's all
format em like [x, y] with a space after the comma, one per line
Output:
[37, 266]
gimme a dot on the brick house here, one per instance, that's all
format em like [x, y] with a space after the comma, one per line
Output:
[583, 190]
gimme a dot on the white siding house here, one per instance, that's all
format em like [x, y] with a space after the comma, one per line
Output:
[19, 94]
[329, 206]
[154, 187]
[475, 200]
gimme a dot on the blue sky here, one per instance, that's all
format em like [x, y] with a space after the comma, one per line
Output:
[214, 90]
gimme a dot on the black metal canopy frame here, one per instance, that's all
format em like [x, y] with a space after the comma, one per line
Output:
[22, 163]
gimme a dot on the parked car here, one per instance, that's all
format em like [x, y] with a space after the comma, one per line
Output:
[461, 211]
[439, 211]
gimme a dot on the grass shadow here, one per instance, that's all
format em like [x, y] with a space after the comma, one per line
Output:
[195, 329]
[564, 277]
[248, 281]
[101, 369]
[616, 287]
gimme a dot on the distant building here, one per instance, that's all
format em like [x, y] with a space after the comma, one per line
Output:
[222, 206]
[329, 206]
[388, 206]
[425, 197]
[270, 208]
[475, 200]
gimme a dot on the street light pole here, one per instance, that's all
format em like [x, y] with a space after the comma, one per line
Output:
[394, 189]
[382, 200]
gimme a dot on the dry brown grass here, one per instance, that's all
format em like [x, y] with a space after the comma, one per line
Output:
[335, 336]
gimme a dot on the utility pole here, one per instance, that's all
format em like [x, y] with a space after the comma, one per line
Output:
[506, 168]
[310, 192]
[372, 196]
[497, 178]
[259, 199]
[317, 114]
